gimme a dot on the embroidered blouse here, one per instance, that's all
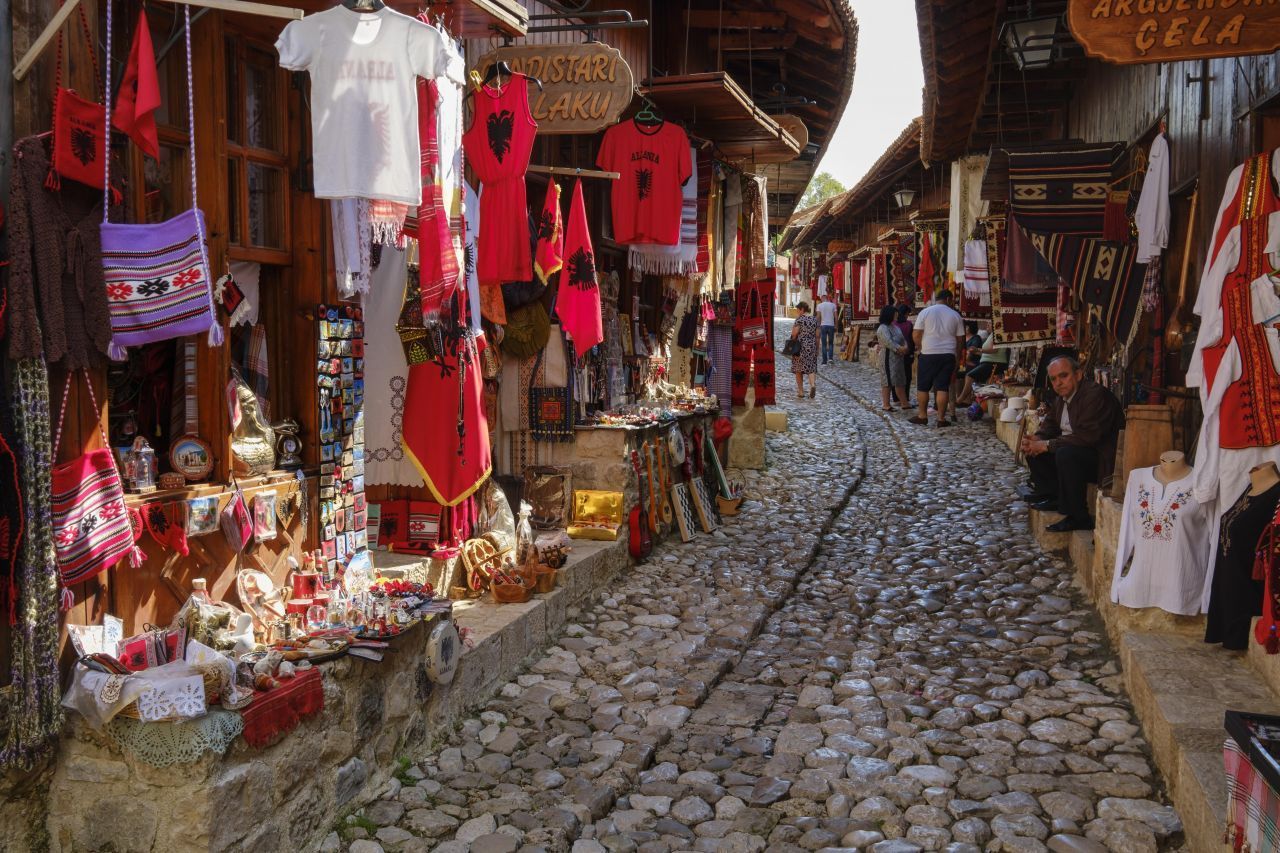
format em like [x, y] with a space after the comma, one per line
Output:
[1166, 531]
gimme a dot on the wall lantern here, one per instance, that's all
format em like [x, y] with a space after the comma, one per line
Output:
[903, 197]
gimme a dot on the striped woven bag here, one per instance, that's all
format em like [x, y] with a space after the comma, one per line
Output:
[91, 529]
[157, 275]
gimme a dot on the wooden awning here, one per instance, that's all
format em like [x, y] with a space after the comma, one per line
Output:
[711, 105]
[480, 19]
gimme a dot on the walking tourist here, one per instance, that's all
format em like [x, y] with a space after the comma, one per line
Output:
[827, 312]
[939, 338]
[805, 363]
[1075, 445]
[893, 347]
[904, 326]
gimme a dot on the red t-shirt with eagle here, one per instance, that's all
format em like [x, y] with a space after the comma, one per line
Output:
[654, 164]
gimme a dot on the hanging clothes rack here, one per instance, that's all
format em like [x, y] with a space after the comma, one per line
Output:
[50, 30]
[574, 171]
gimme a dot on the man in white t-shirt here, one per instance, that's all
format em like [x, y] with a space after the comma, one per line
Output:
[827, 311]
[939, 339]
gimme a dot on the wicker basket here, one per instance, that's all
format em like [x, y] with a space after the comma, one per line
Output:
[212, 684]
[544, 579]
[728, 506]
[511, 593]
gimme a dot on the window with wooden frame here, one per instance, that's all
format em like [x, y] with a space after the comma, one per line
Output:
[257, 148]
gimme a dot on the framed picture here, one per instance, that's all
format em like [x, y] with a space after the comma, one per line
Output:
[264, 516]
[373, 520]
[202, 516]
[191, 457]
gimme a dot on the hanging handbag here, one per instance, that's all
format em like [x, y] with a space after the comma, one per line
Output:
[91, 529]
[236, 524]
[157, 275]
[725, 309]
[79, 144]
[752, 328]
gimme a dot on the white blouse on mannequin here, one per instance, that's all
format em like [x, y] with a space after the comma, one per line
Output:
[1167, 532]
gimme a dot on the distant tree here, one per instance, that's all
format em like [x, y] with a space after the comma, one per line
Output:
[822, 187]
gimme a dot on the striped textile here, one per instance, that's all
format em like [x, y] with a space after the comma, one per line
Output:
[91, 528]
[1252, 805]
[702, 175]
[157, 282]
[1061, 192]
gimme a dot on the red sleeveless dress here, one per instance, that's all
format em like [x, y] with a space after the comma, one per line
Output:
[1250, 404]
[498, 145]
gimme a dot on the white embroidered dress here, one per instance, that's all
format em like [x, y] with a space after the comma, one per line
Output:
[1167, 532]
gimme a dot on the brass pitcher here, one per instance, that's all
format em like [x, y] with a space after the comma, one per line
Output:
[253, 441]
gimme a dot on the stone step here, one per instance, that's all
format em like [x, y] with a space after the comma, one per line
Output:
[1181, 689]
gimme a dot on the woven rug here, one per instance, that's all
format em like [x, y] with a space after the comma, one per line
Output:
[1109, 279]
[1061, 192]
[1024, 296]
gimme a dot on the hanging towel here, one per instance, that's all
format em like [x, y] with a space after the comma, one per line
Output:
[977, 279]
[352, 244]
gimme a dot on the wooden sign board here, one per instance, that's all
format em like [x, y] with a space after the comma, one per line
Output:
[1135, 31]
[837, 246]
[585, 87]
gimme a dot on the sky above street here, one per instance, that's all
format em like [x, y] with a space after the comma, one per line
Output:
[886, 88]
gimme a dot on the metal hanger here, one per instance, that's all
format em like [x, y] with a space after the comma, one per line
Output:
[500, 67]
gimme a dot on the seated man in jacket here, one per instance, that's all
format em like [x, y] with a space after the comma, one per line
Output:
[1075, 445]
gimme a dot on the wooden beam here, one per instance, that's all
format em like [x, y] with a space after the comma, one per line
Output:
[752, 41]
[809, 15]
[828, 38]
[712, 19]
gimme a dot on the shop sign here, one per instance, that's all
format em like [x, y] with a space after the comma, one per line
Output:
[1134, 31]
[585, 87]
[837, 246]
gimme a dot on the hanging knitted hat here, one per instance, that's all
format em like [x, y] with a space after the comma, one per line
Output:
[168, 525]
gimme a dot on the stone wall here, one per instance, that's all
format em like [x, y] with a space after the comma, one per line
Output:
[288, 796]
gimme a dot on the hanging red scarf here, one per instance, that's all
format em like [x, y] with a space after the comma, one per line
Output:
[578, 300]
[139, 93]
[549, 257]
[445, 431]
[429, 223]
[927, 272]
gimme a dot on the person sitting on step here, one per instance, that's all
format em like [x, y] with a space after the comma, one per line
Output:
[1075, 445]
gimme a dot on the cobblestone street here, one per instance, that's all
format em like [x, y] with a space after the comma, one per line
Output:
[875, 655]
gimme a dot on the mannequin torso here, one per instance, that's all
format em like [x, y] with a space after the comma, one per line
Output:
[1263, 477]
[1173, 467]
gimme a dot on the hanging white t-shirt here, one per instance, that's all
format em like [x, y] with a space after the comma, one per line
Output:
[364, 102]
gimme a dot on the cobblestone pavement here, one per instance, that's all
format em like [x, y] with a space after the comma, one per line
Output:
[875, 655]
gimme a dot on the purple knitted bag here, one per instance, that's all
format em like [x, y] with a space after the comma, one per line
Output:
[157, 275]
